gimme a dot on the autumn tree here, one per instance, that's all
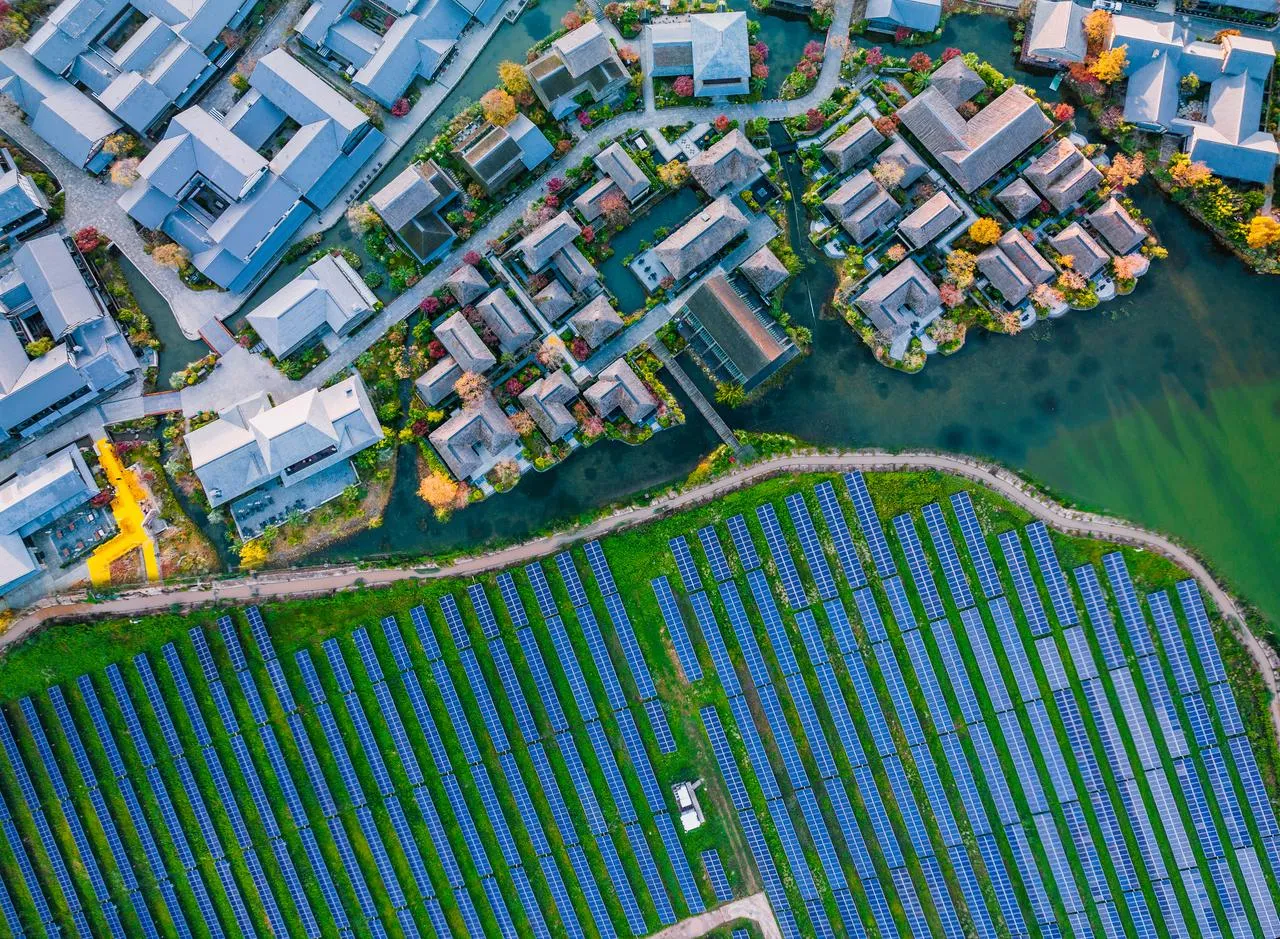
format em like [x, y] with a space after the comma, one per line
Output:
[683, 86]
[471, 388]
[1188, 174]
[1125, 170]
[1263, 232]
[1045, 296]
[119, 144]
[1108, 67]
[888, 173]
[438, 491]
[674, 174]
[171, 255]
[513, 77]
[498, 106]
[985, 231]
[960, 267]
[87, 239]
[124, 171]
[522, 422]
[254, 554]
[362, 218]
[1125, 267]
[615, 210]
[1097, 27]
[887, 124]
[571, 20]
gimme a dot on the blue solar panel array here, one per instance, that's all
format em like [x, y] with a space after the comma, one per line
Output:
[1201, 632]
[742, 543]
[807, 535]
[869, 522]
[715, 873]
[720, 570]
[833, 515]
[684, 564]
[787, 573]
[676, 629]
[1024, 584]
[952, 570]
[918, 565]
[976, 542]
[1047, 559]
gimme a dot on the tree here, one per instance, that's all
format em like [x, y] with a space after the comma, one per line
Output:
[1263, 232]
[1125, 171]
[683, 86]
[38, 347]
[119, 144]
[551, 353]
[760, 71]
[362, 218]
[1125, 267]
[571, 20]
[888, 173]
[950, 53]
[1108, 67]
[438, 491]
[950, 295]
[628, 55]
[985, 231]
[813, 119]
[814, 50]
[1097, 26]
[920, 63]
[1046, 297]
[506, 473]
[1187, 174]
[400, 107]
[498, 106]
[513, 77]
[471, 388]
[722, 123]
[254, 554]
[522, 422]
[87, 239]
[171, 255]
[674, 174]
[124, 171]
[875, 56]
[1063, 112]
[960, 267]
[471, 257]
[887, 125]
[588, 234]
[615, 210]
[758, 53]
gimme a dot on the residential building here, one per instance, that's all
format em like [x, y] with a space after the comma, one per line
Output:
[617, 387]
[1063, 175]
[60, 114]
[504, 318]
[597, 322]
[1228, 136]
[901, 303]
[1055, 37]
[701, 238]
[143, 60]
[1117, 227]
[413, 206]
[493, 156]
[42, 493]
[737, 341]
[547, 401]
[381, 47]
[618, 166]
[919, 16]
[49, 293]
[1087, 257]
[257, 442]
[466, 283]
[712, 47]
[936, 215]
[590, 204]
[1018, 198]
[1014, 267]
[861, 206]
[765, 271]
[543, 243]
[234, 191]
[972, 150]
[474, 439]
[728, 165]
[553, 301]
[22, 204]
[581, 62]
[465, 345]
[853, 146]
[912, 166]
[328, 297]
[575, 268]
[436, 383]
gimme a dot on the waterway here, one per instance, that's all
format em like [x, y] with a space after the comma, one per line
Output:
[1162, 407]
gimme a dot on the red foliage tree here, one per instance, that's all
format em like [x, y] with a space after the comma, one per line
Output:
[814, 50]
[920, 62]
[901, 34]
[588, 234]
[400, 108]
[472, 257]
[875, 55]
[760, 70]
[87, 239]
[887, 125]
[571, 20]
[683, 86]
[1063, 112]
[812, 119]
[435, 349]
[722, 123]
[430, 305]
[950, 53]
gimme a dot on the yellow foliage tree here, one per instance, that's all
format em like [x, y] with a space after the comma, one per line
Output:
[960, 266]
[513, 77]
[985, 231]
[1187, 174]
[1263, 232]
[1097, 26]
[254, 554]
[170, 255]
[471, 388]
[1125, 170]
[499, 107]
[674, 174]
[1108, 67]
[124, 171]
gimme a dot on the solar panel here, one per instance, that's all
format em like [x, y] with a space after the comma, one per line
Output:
[1201, 632]
[585, 880]
[742, 542]
[899, 604]
[756, 752]
[970, 712]
[1050, 750]
[1013, 651]
[600, 568]
[1023, 583]
[1225, 796]
[869, 522]
[680, 641]
[781, 554]
[715, 644]
[898, 693]
[829, 505]
[927, 770]
[824, 848]
[457, 714]
[1041, 906]
[834, 696]
[612, 775]
[777, 633]
[976, 542]
[871, 710]
[1255, 792]
[1024, 766]
[511, 598]
[547, 693]
[1256, 889]
[885, 835]
[684, 564]
[988, 664]
[1095, 604]
[746, 637]
[932, 871]
[971, 892]
[661, 729]
[715, 873]
[622, 886]
[649, 874]
[918, 565]
[772, 707]
[1224, 702]
[600, 655]
[1198, 717]
[484, 612]
[1051, 571]
[1171, 638]
[484, 701]
[1220, 874]
[966, 786]
[720, 570]
[568, 660]
[721, 750]
[807, 535]
[769, 877]
[869, 613]
[911, 818]
[945, 548]
[541, 589]
[1051, 662]
[572, 582]
[630, 647]
[1081, 654]
[1127, 600]
[993, 773]
[1090, 861]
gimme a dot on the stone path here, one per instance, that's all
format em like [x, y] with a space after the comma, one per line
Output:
[755, 908]
[695, 394]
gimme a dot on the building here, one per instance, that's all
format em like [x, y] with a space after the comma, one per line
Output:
[1087, 257]
[1228, 136]
[900, 304]
[920, 16]
[328, 297]
[765, 271]
[1018, 198]
[44, 492]
[504, 318]
[853, 146]
[617, 165]
[1055, 37]
[257, 442]
[234, 191]
[553, 301]
[738, 343]
[543, 243]
[728, 165]
[701, 238]
[382, 48]
[581, 62]
[474, 439]
[465, 345]
[1014, 267]
[935, 216]
[972, 150]
[466, 283]
[49, 294]
[1063, 175]
[616, 388]
[22, 204]
[1117, 227]
[436, 383]
[861, 206]
[412, 205]
[912, 166]
[574, 267]
[63, 116]
[493, 156]
[712, 47]
[547, 401]
[590, 204]
[597, 322]
[143, 60]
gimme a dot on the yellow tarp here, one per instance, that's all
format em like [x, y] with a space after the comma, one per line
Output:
[127, 508]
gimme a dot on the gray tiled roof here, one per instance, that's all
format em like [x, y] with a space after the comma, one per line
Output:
[473, 439]
[501, 314]
[66, 118]
[618, 386]
[719, 46]
[617, 164]
[853, 145]
[541, 244]
[327, 295]
[1087, 256]
[575, 268]
[764, 270]
[418, 188]
[861, 205]
[457, 335]
[729, 163]
[743, 337]
[466, 283]
[1117, 227]
[56, 284]
[1014, 267]
[547, 401]
[1018, 198]
[436, 383]
[43, 491]
[912, 166]
[918, 15]
[553, 300]
[956, 81]
[902, 297]
[1057, 31]
[1063, 174]
[588, 203]
[597, 322]
[931, 219]
[700, 238]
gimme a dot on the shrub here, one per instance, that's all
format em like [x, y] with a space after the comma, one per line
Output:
[400, 108]
[683, 86]
[87, 239]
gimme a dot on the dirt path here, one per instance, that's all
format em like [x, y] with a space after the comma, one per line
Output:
[755, 908]
[317, 581]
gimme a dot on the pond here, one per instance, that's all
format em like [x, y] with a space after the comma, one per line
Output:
[176, 350]
[668, 213]
[786, 37]
[991, 37]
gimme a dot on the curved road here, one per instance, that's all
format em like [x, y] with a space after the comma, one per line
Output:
[318, 581]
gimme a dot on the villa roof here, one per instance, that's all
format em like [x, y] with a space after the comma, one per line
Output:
[931, 219]
[853, 145]
[56, 284]
[861, 205]
[541, 244]
[901, 298]
[44, 491]
[584, 48]
[764, 270]
[729, 163]
[912, 166]
[1117, 227]
[473, 439]
[1063, 174]
[466, 283]
[67, 119]
[617, 386]
[327, 294]
[436, 383]
[1057, 31]
[588, 203]
[617, 164]
[1014, 267]
[700, 238]
[719, 46]
[956, 82]
[672, 48]
[742, 335]
[597, 322]
[1087, 256]
[464, 344]
[1025, 257]
[575, 268]
[546, 401]
[508, 323]
[419, 188]
[1018, 198]
[553, 300]
[918, 15]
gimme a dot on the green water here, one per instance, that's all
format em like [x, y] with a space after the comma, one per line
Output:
[176, 350]
[668, 213]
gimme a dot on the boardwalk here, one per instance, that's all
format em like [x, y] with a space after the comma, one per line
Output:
[695, 394]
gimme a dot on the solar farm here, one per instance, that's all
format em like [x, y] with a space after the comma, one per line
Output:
[904, 726]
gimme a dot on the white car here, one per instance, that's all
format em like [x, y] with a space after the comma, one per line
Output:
[1112, 5]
